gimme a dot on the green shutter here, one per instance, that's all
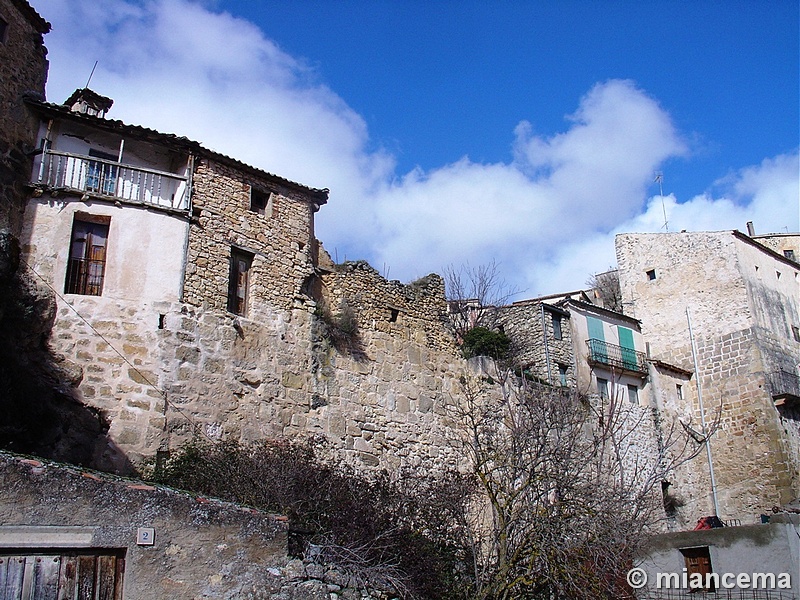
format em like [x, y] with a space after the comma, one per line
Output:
[597, 346]
[628, 349]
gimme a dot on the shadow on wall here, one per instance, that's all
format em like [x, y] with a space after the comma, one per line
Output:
[41, 412]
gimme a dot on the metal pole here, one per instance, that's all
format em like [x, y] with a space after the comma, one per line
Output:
[703, 416]
[546, 349]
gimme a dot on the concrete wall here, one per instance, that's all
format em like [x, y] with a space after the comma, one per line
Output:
[771, 548]
[203, 548]
[144, 253]
[732, 313]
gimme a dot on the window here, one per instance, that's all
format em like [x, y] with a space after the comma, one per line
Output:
[259, 201]
[651, 274]
[790, 255]
[562, 375]
[557, 327]
[796, 333]
[238, 281]
[602, 387]
[633, 394]
[679, 391]
[698, 566]
[101, 177]
[3, 29]
[86, 264]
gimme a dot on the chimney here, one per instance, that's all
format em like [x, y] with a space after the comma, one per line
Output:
[87, 102]
[751, 231]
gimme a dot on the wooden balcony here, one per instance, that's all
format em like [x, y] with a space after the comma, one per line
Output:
[97, 177]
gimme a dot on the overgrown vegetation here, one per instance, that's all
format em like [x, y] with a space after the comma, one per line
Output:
[565, 498]
[404, 532]
[341, 328]
[481, 341]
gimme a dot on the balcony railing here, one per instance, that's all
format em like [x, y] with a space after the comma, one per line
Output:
[617, 357]
[784, 385]
[105, 178]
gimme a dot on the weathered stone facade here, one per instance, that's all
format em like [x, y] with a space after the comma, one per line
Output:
[23, 70]
[742, 301]
[541, 340]
[201, 548]
[280, 238]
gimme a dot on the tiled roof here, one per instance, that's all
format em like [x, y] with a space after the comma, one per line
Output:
[170, 140]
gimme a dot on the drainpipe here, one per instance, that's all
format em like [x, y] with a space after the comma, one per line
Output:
[188, 192]
[546, 348]
[703, 416]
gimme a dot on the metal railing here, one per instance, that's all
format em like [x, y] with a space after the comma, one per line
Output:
[85, 276]
[783, 384]
[603, 353]
[106, 178]
[720, 594]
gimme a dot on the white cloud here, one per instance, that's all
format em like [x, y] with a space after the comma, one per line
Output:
[548, 217]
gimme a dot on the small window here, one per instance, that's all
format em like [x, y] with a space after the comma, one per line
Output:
[101, 177]
[633, 394]
[651, 274]
[562, 375]
[557, 327]
[259, 201]
[86, 264]
[393, 315]
[238, 281]
[790, 255]
[3, 30]
[602, 387]
[796, 333]
[679, 391]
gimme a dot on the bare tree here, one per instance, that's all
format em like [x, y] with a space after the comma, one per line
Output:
[473, 293]
[607, 290]
[567, 497]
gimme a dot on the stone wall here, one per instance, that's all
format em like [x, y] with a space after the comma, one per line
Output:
[714, 275]
[529, 325]
[23, 69]
[161, 371]
[202, 548]
[280, 240]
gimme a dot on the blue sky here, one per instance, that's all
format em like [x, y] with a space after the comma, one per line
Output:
[527, 133]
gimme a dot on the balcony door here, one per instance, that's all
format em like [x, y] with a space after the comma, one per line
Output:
[87, 255]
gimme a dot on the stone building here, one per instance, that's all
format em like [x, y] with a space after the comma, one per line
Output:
[540, 331]
[194, 298]
[725, 306]
[23, 71]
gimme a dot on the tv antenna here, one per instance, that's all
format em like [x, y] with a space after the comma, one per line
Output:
[91, 74]
[660, 180]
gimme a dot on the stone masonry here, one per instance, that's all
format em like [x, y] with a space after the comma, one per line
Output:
[23, 70]
[742, 300]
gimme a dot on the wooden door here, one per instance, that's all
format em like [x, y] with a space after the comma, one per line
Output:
[69, 576]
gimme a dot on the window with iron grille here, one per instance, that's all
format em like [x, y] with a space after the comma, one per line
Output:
[238, 281]
[86, 264]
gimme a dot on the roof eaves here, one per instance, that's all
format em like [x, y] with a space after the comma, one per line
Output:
[319, 196]
[603, 311]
